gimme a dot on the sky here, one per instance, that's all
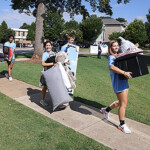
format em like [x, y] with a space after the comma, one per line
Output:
[135, 9]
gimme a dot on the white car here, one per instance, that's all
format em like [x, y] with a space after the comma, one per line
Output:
[30, 45]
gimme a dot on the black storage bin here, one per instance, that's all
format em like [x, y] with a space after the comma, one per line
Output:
[134, 63]
[49, 60]
[7, 53]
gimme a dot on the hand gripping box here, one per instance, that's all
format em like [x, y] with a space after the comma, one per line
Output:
[134, 63]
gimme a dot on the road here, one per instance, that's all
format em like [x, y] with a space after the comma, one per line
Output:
[30, 51]
[24, 51]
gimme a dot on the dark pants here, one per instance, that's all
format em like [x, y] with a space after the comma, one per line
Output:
[99, 55]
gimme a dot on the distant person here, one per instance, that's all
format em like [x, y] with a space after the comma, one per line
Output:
[99, 50]
[70, 39]
[11, 60]
[120, 88]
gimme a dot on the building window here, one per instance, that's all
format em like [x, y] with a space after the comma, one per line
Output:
[23, 33]
[18, 33]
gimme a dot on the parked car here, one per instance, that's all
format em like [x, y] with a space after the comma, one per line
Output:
[30, 45]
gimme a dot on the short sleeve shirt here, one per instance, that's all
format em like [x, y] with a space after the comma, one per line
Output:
[64, 48]
[13, 46]
[118, 85]
[45, 56]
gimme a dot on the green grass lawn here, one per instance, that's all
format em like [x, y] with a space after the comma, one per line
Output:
[24, 129]
[94, 85]
[84, 49]
[23, 56]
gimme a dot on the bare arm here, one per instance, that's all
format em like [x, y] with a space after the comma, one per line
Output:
[12, 54]
[47, 64]
[119, 71]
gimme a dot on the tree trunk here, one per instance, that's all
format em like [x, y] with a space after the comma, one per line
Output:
[39, 31]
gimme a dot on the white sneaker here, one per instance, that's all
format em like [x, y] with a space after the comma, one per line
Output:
[6, 75]
[124, 129]
[106, 114]
[10, 78]
[43, 103]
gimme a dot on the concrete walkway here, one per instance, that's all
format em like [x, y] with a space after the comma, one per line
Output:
[82, 118]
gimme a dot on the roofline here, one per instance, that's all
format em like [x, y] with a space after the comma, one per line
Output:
[15, 29]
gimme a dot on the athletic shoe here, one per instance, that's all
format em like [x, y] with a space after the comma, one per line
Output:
[6, 75]
[124, 129]
[10, 78]
[66, 104]
[43, 103]
[106, 114]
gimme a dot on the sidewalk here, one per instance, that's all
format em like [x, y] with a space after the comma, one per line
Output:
[82, 118]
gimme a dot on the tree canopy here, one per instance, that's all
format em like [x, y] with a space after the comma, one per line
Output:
[91, 28]
[72, 27]
[54, 24]
[115, 35]
[31, 32]
[136, 32]
[147, 25]
[5, 32]
[121, 19]
[70, 6]
[25, 26]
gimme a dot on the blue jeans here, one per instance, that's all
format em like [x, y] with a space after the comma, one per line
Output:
[99, 55]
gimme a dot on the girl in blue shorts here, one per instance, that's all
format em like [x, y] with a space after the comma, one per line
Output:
[120, 87]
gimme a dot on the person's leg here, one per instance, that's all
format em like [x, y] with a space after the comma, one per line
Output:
[123, 98]
[44, 92]
[106, 111]
[115, 104]
[100, 54]
[10, 66]
[43, 96]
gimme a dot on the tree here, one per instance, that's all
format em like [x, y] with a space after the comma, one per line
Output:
[121, 19]
[136, 33]
[72, 27]
[147, 25]
[72, 24]
[70, 6]
[76, 32]
[25, 26]
[54, 24]
[84, 12]
[91, 28]
[5, 32]
[115, 35]
[31, 32]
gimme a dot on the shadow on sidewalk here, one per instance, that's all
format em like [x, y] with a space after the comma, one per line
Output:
[35, 97]
[77, 105]
[85, 106]
[2, 74]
